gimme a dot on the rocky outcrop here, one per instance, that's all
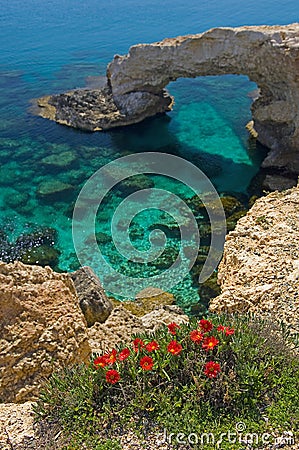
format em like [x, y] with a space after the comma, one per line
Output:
[121, 324]
[93, 301]
[41, 328]
[268, 55]
[97, 110]
[16, 426]
[259, 271]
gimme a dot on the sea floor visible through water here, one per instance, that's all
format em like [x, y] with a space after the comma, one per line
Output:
[54, 48]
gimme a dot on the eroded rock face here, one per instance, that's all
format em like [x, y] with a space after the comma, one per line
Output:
[93, 301]
[121, 324]
[41, 328]
[268, 55]
[259, 271]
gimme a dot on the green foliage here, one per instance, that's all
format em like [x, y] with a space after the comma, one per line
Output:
[258, 385]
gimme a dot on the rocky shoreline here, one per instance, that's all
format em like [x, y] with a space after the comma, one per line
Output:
[136, 82]
[43, 326]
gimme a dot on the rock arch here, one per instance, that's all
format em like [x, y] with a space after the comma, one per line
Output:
[268, 55]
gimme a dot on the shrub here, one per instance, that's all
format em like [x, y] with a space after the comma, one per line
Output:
[203, 377]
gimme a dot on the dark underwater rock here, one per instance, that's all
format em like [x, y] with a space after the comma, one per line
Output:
[54, 190]
[135, 183]
[43, 255]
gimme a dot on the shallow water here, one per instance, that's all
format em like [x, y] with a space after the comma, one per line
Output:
[54, 46]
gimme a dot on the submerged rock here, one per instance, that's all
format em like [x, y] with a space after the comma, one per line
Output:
[209, 289]
[43, 255]
[54, 190]
[31, 248]
[16, 199]
[59, 161]
[135, 183]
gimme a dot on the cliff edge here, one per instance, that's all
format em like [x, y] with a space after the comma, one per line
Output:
[259, 271]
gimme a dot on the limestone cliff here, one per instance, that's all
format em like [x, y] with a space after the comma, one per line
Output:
[41, 328]
[259, 271]
[269, 55]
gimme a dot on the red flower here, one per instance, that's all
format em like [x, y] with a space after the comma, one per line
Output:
[205, 325]
[172, 327]
[146, 363]
[124, 354]
[138, 343]
[209, 343]
[212, 369]
[100, 361]
[196, 336]
[111, 357]
[112, 376]
[229, 331]
[225, 330]
[152, 346]
[174, 348]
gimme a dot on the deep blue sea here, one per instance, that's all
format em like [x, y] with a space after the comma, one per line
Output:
[56, 45]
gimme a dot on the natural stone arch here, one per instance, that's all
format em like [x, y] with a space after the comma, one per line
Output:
[268, 55]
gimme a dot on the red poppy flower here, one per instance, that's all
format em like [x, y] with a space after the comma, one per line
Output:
[146, 363]
[111, 357]
[172, 327]
[212, 369]
[205, 325]
[138, 343]
[124, 354]
[209, 343]
[196, 336]
[221, 328]
[112, 376]
[152, 346]
[174, 348]
[100, 361]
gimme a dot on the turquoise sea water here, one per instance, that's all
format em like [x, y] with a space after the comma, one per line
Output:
[49, 47]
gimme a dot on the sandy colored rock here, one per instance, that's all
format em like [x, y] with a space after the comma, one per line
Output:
[163, 316]
[41, 328]
[117, 329]
[259, 271]
[16, 425]
[121, 324]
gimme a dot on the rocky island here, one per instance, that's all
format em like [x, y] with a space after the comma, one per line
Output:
[136, 82]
